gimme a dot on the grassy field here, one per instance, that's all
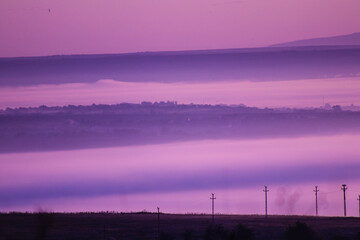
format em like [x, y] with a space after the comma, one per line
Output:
[172, 226]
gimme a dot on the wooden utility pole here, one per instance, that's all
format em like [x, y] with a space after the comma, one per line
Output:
[344, 190]
[266, 191]
[158, 221]
[104, 232]
[316, 199]
[212, 205]
[359, 204]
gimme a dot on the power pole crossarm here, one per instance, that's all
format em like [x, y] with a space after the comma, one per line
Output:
[266, 191]
[316, 200]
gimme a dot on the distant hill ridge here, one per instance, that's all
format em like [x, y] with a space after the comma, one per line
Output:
[261, 64]
[342, 40]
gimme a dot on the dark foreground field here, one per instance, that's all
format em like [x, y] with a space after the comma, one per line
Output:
[174, 226]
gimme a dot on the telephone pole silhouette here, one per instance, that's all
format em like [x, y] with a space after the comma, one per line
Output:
[316, 199]
[266, 210]
[104, 232]
[158, 221]
[359, 204]
[344, 190]
[212, 199]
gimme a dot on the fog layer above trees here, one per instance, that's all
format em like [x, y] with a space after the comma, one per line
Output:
[77, 127]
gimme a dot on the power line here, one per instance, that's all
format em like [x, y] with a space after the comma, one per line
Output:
[324, 193]
[353, 191]
[330, 192]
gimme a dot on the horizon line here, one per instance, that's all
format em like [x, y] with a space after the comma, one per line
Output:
[192, 51]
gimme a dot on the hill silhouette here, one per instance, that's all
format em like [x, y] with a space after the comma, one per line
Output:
[342, 40]
[261, 64]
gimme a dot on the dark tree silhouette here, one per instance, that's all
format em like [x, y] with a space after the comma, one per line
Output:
[45, 222]
[166, 236]
[300, 231]
[188, 234]
[240, 232]
[216, 232]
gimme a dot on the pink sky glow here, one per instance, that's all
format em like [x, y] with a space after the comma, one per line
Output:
[50, 27]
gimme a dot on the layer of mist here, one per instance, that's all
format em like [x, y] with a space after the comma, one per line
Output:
[78, 127]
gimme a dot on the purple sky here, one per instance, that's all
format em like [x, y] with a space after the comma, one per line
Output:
[28, 28]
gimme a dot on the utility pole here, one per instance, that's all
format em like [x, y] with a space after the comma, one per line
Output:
[158, 221]
[266, 191]
[359, 204]
[104, 232]
[316, 199]
[212, 200]
[344, 189]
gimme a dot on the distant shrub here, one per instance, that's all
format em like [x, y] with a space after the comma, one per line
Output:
[357, 236]
[300, 231]
[188, 234]
[45, 222]
[216, 232]
[340, 237]
[336, 108]
[144, 211]
[166, 236]
[240, 232]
